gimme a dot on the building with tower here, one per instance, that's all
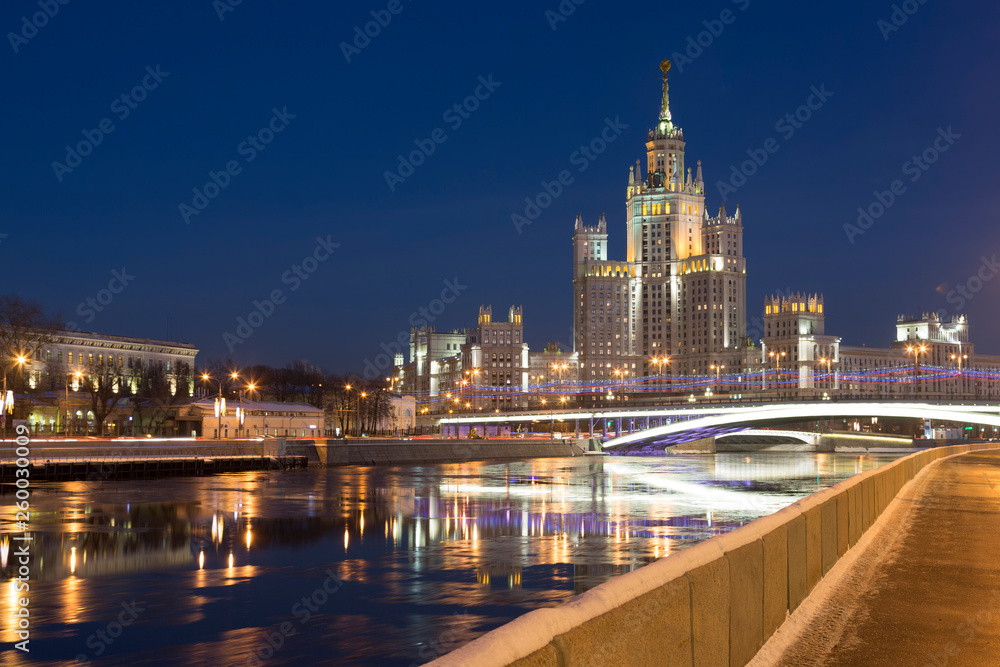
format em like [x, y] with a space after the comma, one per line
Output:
[680, 293]
[795, 341]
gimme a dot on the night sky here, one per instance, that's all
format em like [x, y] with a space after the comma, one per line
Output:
[209, 84]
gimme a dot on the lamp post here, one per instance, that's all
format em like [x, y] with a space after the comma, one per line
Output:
[473, 379]
[718, 369]
[621, 373]
[916, 351]
[78, 375]
[659, 361]
[8, 405]
[959, 357]
[220, 406]
[362, 395]
[777, 366]
[829, 370]
[347, 388]
[250, 388]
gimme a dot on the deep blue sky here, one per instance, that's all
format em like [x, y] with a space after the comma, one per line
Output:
[323, 175]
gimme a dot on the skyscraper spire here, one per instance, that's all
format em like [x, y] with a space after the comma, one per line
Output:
[665, 106]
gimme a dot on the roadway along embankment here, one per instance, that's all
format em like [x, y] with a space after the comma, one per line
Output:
[715, 603]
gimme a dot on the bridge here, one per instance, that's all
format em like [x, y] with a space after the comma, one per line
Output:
[638, 428]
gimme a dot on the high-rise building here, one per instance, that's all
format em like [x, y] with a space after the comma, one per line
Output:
[680, 294]
[498, 363]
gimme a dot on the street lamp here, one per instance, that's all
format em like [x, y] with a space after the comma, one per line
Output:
[777, 367]
[916, 352]
[7, 402]
[659, 361]
[220, 403]
[78, 375]
[959, 358]
[718, 369]
[829, 371]
[621, 373]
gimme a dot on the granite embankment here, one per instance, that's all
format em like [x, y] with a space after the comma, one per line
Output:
[715, 603]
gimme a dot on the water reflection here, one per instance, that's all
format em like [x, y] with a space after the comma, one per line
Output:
[428, 557]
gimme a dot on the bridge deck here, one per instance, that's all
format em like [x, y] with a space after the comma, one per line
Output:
[923, 590]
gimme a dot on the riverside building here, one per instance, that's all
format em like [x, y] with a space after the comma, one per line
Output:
[680, 292]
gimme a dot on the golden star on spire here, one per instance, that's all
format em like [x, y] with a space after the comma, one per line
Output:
[665, 66]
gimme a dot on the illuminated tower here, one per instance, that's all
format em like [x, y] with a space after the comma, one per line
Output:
[684, 275]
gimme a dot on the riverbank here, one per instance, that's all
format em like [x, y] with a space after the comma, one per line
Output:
[92, 458]
[398, 452]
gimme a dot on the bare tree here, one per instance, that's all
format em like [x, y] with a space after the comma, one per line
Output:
[105, 383]
[24, 330]
[156, 394]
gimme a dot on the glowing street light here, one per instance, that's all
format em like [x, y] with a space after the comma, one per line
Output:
[7, 400]
[916, 351]
[777, 367]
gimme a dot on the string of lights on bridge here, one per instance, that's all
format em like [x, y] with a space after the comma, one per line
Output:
[666, 383]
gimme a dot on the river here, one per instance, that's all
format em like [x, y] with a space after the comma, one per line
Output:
[362, 565]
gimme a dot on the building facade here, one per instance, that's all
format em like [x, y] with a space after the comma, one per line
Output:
[251, 419]
[680, 293]
[55, 376]
[929, 359]
[795, 339]
[479, 369]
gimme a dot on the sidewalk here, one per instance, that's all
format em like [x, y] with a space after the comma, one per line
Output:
[923, 586]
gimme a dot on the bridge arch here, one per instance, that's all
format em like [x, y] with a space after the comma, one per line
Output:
[749, 417]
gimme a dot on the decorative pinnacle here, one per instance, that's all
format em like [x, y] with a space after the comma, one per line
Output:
[665, 106]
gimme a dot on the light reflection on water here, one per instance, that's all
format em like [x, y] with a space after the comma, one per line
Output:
[386, 565]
